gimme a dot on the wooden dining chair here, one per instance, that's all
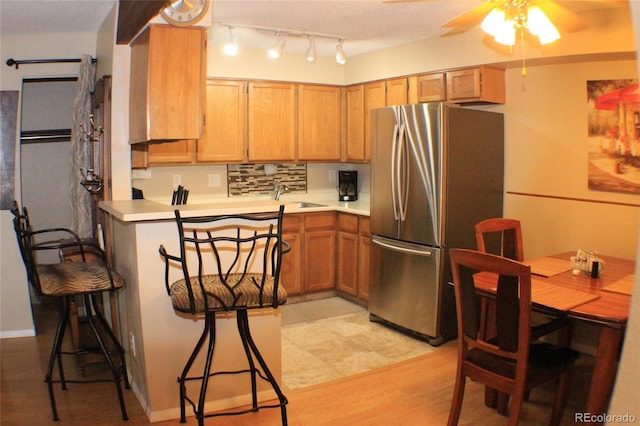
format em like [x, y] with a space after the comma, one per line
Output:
[503, 237]
[509, 361]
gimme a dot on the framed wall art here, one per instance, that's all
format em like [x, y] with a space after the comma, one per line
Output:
[614, 135]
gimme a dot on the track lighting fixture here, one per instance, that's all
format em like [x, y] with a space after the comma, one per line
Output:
[341, 57]
[275, 51]
[231, 48]
[311, 51]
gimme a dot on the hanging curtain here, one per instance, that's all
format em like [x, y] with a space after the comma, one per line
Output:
[81, 158]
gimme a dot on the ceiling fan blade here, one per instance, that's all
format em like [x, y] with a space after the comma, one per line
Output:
[472, 17]
[564, 19]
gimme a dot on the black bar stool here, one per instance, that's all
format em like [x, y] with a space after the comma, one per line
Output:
[235, 261]
[64, 281]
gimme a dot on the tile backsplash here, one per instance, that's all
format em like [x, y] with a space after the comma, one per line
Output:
[259, 179]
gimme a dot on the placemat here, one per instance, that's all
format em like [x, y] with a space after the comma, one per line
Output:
[548, 266]
[558, 297]
[624, 285]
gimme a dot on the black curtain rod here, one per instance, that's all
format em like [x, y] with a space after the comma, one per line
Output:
[14, 62]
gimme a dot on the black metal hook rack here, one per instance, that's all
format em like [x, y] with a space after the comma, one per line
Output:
[17, 62]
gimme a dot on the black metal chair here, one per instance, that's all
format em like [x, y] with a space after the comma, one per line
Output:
[229, 263]
[64, 281]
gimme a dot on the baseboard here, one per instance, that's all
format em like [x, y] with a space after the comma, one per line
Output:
[29, 332]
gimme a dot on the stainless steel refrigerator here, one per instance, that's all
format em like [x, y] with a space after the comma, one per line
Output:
[436, 170]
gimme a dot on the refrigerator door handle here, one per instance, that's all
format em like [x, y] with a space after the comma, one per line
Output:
[394, 170]
[401, 249]
[403, 173]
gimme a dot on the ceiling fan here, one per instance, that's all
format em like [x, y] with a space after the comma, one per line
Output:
[516, 13]
[506, 20]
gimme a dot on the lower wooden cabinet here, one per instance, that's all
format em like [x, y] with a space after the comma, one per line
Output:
[354, 241]
[310, 265]
[291, 268]
[347, 264]
[319, 251]
[329, 251]
[364, 258]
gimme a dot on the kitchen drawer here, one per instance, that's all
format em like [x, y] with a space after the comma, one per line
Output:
[365, 226]
[348, 223]
[291, 223]
[319, 221]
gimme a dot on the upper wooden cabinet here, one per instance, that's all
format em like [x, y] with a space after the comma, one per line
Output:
[354, 141]
[271, 121]
[374, 97]
[225, 128]
[479, 84]
[178, 152]
[166, 99]
[318, 122]
[432, 87]
[397, 91]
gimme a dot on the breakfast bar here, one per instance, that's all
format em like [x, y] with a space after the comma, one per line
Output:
[157, 339]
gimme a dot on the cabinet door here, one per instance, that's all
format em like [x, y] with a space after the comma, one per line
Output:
[225, 123]
[479, 84]
[397, 92]
[319, 251]
[178, 152]
[166, 99]
[432, 87]
[347, 256]
[364, 252]
[139, 157]
[374, 97]
[355, 123]
[318, 122]
[271, 121]
[291, 269]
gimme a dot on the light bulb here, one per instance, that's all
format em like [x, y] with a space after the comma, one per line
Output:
[311, 51]
[231, 48]
[276, 51]
[541, 26]
[492, 23]
[341, 57]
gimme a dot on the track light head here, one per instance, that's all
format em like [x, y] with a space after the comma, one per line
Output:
[311, 51]
[231, 48]
[276, 51]
[341, 57]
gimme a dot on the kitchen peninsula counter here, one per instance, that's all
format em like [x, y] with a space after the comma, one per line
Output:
[144, 210]
[158, 340]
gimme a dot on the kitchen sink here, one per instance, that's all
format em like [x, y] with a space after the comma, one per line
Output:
[306, 204]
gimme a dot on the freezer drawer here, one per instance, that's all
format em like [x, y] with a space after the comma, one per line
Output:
[405, 286]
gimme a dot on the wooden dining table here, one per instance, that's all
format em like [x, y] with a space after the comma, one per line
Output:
[603, 301]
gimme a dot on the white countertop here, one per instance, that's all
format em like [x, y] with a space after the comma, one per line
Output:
[145, 210]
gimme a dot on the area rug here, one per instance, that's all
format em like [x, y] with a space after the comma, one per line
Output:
[322, 350]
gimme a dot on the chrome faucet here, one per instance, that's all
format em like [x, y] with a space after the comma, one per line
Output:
[279, 189]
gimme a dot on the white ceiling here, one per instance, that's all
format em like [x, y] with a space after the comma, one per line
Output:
[366, 25]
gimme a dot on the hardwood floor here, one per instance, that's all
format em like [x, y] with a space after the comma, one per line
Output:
[413, 392]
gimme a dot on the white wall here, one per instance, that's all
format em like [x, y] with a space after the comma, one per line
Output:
[15, 313]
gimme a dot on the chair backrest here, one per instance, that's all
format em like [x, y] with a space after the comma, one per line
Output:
[232, 246]
[500, 236]
[513, 304]
[23, 232]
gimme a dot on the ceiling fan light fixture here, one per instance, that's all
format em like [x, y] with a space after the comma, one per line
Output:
[506, 34]
[341, 57]
[276, 51]
[231, 48]
[311, 51]
[541, 26]
[492, 23]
